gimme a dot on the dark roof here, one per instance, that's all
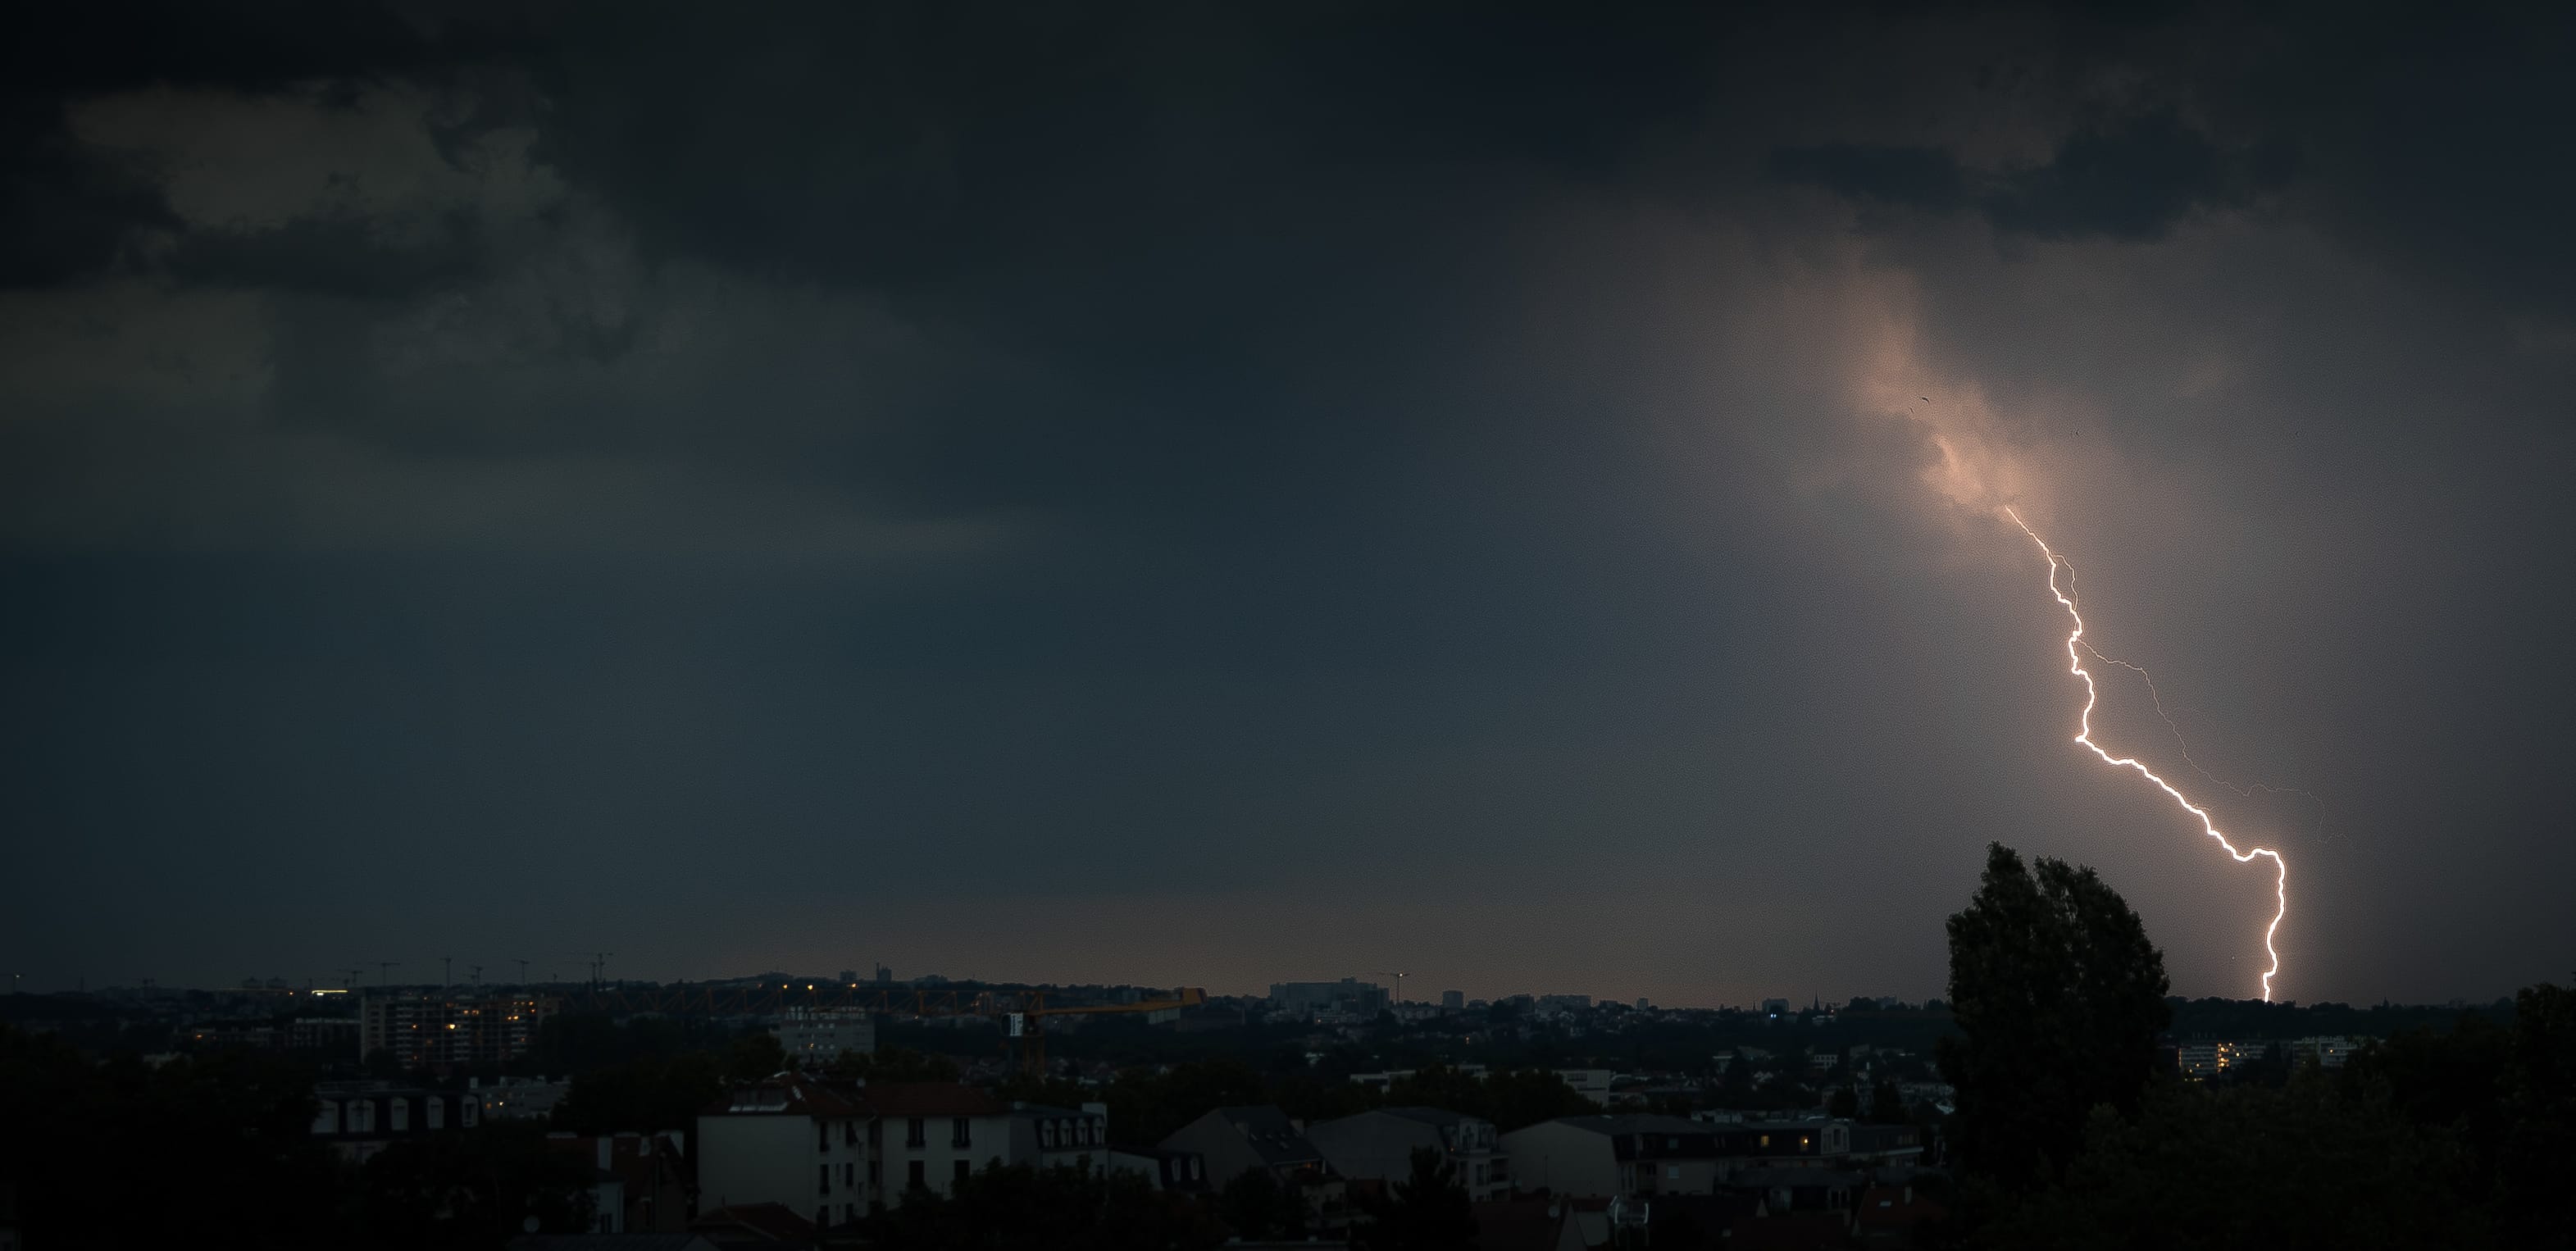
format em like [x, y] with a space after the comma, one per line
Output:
[770, 1221]
[1794, 1178]
[1646, 1136]
[1889, 1207]
[1271, 1134]
[1634, 1123]
[1792, 1231]
[931, 1099]
[1440, 1117]
[787, 1094]
[610, 1242]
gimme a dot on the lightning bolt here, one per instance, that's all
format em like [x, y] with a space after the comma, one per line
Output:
[2316, 801]
[2084, 735]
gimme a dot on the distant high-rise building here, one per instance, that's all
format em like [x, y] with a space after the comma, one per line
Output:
[885, 976]
[424, 1030]
[1452, 1000]
[814, 1037]
[1642, 1005]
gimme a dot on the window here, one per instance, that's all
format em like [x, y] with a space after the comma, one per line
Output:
[958, 1135]
[826, 1170]
[920, 1178]
[849, 1213]
[849, 1133]
[876, 1175]
[823, 1138]
[964, 1171]
[875, 1136]
[823, 1217]
[914, 1135]
[849, 1173]
[1046, 1134]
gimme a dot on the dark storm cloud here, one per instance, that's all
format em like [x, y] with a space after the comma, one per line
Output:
[68, 211]
[340, 256]
[774, 466]
[2132, 179]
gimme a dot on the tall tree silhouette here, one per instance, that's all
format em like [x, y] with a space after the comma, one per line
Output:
[2058, 997]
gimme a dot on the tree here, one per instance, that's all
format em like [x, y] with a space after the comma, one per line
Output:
[754, 1056]
[1886, 1103]
[1427, 1212]
[2058, 997]
[642, 1096]
[474, 1188]
[2206, 1166]
[1256, 1205]
[1020, 1206]
[894, 1064]
[1846, 1102]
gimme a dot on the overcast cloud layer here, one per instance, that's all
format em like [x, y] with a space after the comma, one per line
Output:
[1185, 497]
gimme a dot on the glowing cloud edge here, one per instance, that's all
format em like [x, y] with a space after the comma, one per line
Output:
[2084, 735]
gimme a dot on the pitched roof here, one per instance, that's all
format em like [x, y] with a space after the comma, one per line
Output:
[771, 1221]
[1439, 1117]
[1270, 1133]
[787, 1094]
[1635, 1123]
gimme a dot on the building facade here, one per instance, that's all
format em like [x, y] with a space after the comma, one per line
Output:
[360, 1118]
[422, 1031]
[1379, 1145]
[814, 1037]
[829, 1150]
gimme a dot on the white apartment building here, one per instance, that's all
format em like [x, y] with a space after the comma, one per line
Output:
[831, 1151]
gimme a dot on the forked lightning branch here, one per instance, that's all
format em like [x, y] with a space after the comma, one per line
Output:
[2084, 735]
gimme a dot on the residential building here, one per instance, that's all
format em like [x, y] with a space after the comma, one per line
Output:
[421, 1031]
[519, 1098]
[1453, 1000]
[2328, 1050]
[1181, 1171]
[653, 1193]
[1051, 1137]
[2209, 1059]
[814, 1037]
[1592, 1084]
[1379, 1145]
[1237, 1140]
[831, 1150]
[360, 1118]
[1602, 1156]
[323, 1033]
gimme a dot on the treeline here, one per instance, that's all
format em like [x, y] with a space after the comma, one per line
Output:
[220, 1149]
[2070, 1132]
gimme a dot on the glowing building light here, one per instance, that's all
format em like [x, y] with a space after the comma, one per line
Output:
[2084, 735]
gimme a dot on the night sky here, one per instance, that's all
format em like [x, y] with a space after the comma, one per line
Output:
[1216, 494]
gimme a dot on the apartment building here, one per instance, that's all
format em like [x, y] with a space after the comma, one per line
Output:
[831, 1150]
